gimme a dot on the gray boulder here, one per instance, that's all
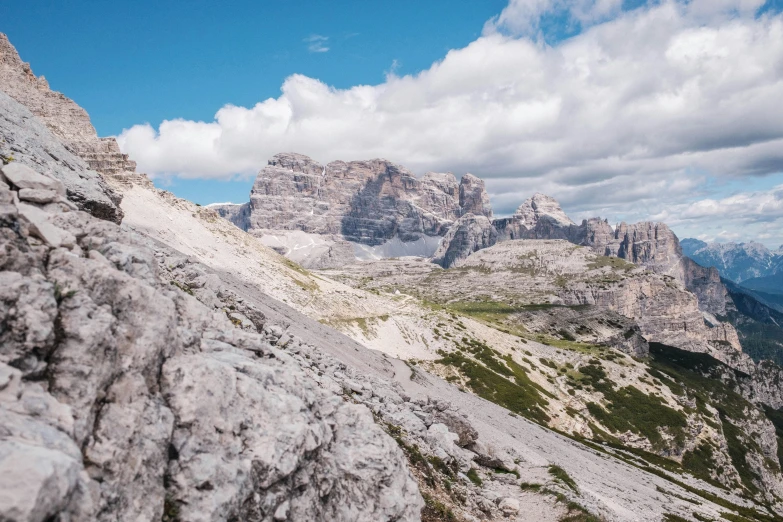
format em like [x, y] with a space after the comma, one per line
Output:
[26, 142]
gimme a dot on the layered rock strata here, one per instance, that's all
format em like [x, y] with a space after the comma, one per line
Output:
[61, 115]
[469, 234]
[367, 202]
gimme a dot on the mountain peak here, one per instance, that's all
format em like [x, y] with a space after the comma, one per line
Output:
[541, 206]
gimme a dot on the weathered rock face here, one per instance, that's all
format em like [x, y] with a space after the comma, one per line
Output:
[64, 118]
[368, 202]
[26, 141]
[539, 217]
[469, 234]
[110, 377]
[706, 284]
[473, 197]
[652, 245]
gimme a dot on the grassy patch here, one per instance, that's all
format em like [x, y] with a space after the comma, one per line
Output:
[629, 409]
[561, 475]
[185, 288]
[473, 475]
[503, 382]
[614, 263]
[435, 511]
[699, 462]
[738, 451]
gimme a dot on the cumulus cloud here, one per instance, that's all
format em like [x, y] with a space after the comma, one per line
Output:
[317, 43]
[752, 215]
[523, 17]
[634, 114]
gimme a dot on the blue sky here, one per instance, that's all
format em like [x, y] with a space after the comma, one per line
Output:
[127, 62]
[631, 109]
[147, 61]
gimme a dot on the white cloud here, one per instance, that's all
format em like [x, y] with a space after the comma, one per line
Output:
[522, 17]
[317, 43]
[633, 115]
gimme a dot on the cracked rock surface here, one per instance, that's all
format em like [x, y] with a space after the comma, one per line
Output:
[111, 377]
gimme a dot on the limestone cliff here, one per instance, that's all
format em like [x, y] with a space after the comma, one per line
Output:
[25, 140]
[367, 202]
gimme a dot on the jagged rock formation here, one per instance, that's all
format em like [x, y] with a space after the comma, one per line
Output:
[539, 217]
[64, 118]
[25, 140]
[473, 197]
[103, 372]
[367, 202]
[469, 234]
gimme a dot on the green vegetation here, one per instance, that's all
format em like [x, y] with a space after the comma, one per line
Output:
[561, 475]
[776, 417]
[530, 486]
[60, 295]
[170, 509]
[498, 379]
[577, 513]
[185, 288]
[669, 517]
[738, 450]
[611, 262]
[629, 409]
[434, 510]
[473, 475]
[699, 462]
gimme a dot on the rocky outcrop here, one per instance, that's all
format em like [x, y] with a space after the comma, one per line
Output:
[367, 202]
[706, 284]
[26, 141]
[539, 217]
[473, 197]
[61, 115]
[110, 377]
[469, 234]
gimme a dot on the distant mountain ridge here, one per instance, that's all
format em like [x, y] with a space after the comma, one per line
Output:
[737, 262]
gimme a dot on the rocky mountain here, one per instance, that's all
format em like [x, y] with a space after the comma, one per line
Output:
[174, 367]
[735, 261]
[366, 202]
[64, 118]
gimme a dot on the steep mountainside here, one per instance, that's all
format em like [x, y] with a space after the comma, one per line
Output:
[735, 261]
[176, 368]
[64, 118]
